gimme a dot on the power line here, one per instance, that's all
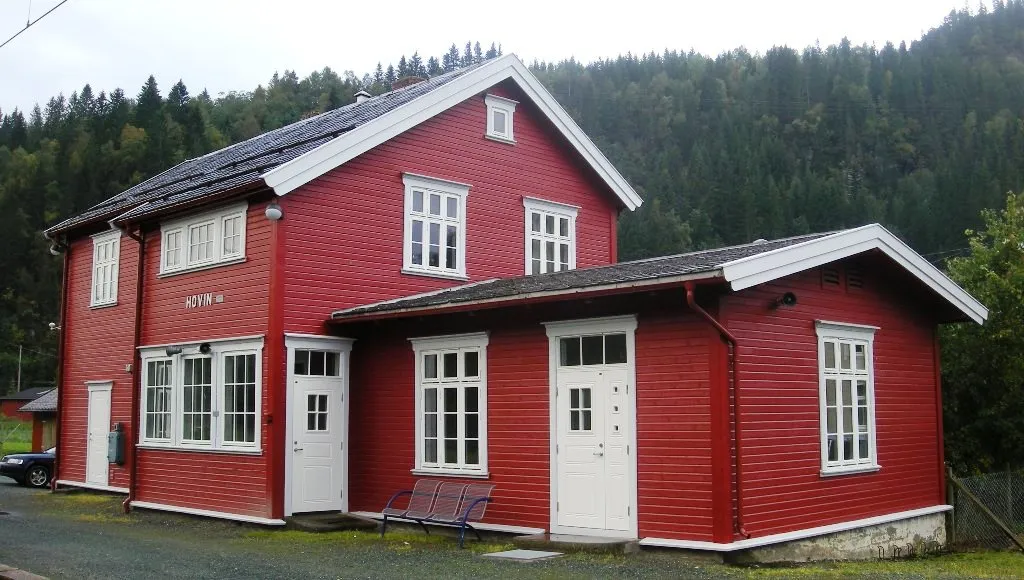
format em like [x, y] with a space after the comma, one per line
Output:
[29, 23]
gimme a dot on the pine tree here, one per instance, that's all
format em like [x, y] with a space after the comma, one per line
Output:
[477, 54]
[403, 68]
[450, 60]
[378, 75]
[416, 65]
[492, 52]
[433, 66]
[390, 77]
[467, 55]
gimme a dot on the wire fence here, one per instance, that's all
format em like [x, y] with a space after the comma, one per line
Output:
[988, 511]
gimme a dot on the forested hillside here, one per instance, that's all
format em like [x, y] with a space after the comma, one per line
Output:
[723, 149]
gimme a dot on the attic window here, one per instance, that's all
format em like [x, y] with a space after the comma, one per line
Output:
[830, 276]
[499, 118]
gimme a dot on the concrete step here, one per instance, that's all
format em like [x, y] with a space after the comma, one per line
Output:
[329, 522]
[571, 543]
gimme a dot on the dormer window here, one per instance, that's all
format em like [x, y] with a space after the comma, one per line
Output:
[499, 118]
[203, 241]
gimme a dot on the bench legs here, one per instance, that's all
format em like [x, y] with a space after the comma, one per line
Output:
[384, 526]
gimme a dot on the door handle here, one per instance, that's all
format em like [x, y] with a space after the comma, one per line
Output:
[599, 453]
[297, 449]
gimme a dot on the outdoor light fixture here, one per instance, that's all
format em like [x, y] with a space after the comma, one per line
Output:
[205, 348]
[53, 326]
[273, 212]
[172, 350]
[788, 300]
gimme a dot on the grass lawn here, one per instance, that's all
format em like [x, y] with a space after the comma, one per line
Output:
[15, 436]
[407, 552]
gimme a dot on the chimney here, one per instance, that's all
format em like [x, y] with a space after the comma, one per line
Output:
[362, 96]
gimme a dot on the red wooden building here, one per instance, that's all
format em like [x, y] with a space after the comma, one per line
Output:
[424, 284]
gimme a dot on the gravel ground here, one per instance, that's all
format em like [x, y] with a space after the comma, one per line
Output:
[85, 535]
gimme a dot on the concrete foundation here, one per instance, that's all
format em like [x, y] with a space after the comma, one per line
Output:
[915, 535]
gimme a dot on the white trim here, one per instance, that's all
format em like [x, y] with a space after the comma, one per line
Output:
[518, 297]
[427, 187]
[299, 171]
[558, 211]
[197, 342]
[214, 218]
[93, 486]
[343, 346]
[434, 274]
[795, 535]
[845, 329]
[240, 260]
[207, 513]
[106, 385]
[193, 448]
[478, 525]
[422, 346]
[754, 270]
[508, 108]
[607, 324]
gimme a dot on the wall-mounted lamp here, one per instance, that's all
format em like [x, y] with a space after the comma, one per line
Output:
[273, 211]
[53, 326]
[205, 348]
[788, 300]
[173, 350]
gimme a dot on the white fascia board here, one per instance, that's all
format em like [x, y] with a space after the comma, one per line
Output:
[312, 164]
[754, 270]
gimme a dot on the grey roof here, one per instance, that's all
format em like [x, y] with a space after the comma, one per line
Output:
[25, 394]
[651, 269]
[46, 402]
[242, 164]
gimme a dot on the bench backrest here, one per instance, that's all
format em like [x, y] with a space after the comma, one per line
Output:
[423, 493]
[474, 492]
[449, 499]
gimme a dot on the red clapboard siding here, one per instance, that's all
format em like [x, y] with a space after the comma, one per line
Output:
[226, 482]
[782, 487]
[10, 409]
[673, 427]
[98, 345]
[344, 230]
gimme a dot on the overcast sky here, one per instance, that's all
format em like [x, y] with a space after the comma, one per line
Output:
[225, 45]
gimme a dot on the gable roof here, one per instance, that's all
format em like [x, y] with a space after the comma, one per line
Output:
[25, 394]
[286, 158]
[740, 266]
[45, 403]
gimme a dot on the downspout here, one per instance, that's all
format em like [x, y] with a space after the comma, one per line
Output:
[61, 330]
[941, 446]
[136, 369]
[737, 429]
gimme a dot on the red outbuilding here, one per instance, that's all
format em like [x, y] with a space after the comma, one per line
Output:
[424, 284]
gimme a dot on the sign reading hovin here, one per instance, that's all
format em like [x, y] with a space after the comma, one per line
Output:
[200, 300]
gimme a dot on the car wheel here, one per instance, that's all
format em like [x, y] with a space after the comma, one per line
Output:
[37, 476]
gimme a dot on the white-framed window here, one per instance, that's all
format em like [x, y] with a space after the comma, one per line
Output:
[500, 114]
[550, 236]
[451, 404]
[205, 397]
[435, 227]
[106, 250]
[204, 240]
[847, 397]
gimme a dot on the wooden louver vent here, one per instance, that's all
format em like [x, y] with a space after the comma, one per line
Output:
[830, 276]
[854, 278]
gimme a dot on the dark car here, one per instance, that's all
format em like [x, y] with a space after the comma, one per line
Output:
[31, 469]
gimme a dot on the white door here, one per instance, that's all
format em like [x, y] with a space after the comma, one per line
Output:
[318, 431]
[593, 433]
[96, 466]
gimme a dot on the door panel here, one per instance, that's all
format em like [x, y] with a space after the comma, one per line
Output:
[318, 430]
[96, 467]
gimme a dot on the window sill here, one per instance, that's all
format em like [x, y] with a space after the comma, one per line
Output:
[209, 266]
[102, 305]
[442, 275]
[451, 473]
[850, 470]
[500, 139]
[221, 450]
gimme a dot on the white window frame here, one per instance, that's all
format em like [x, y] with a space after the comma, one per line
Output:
[219, 349]
[444, 188]
[853, 334]
[105, 272]
[183, 228]
[508, 107]
[544, 208]
[438, 345]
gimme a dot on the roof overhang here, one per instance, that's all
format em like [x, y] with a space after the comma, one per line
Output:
[303, 169]
[754, 270]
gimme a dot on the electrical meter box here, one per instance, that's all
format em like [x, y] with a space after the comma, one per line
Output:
[115, 445]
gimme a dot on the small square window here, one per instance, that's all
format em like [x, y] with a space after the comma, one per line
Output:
[500, 112]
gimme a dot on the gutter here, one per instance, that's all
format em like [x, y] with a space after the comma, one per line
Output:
[62, 322]
[735, 383]
[136, 368]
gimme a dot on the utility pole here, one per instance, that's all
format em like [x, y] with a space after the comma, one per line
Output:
[19, 366]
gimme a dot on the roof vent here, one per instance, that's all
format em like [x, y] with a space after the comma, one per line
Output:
[362, 96]
[760, 241]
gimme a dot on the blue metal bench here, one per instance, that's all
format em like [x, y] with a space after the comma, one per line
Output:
[445, 504]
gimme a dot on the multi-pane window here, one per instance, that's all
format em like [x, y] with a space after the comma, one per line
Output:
[158, 410]
[204, 397]
[435, 229]
[451, 404]
[550, 236]
[197, 396]
[846, 397]
[594, 349]
[500, 113]
[106, 249]
[316, 412]
[240, 398]
[317, 363]
[203, 240]
[580, 409]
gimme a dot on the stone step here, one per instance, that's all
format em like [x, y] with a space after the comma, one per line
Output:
[572, 543]
[329, 522]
